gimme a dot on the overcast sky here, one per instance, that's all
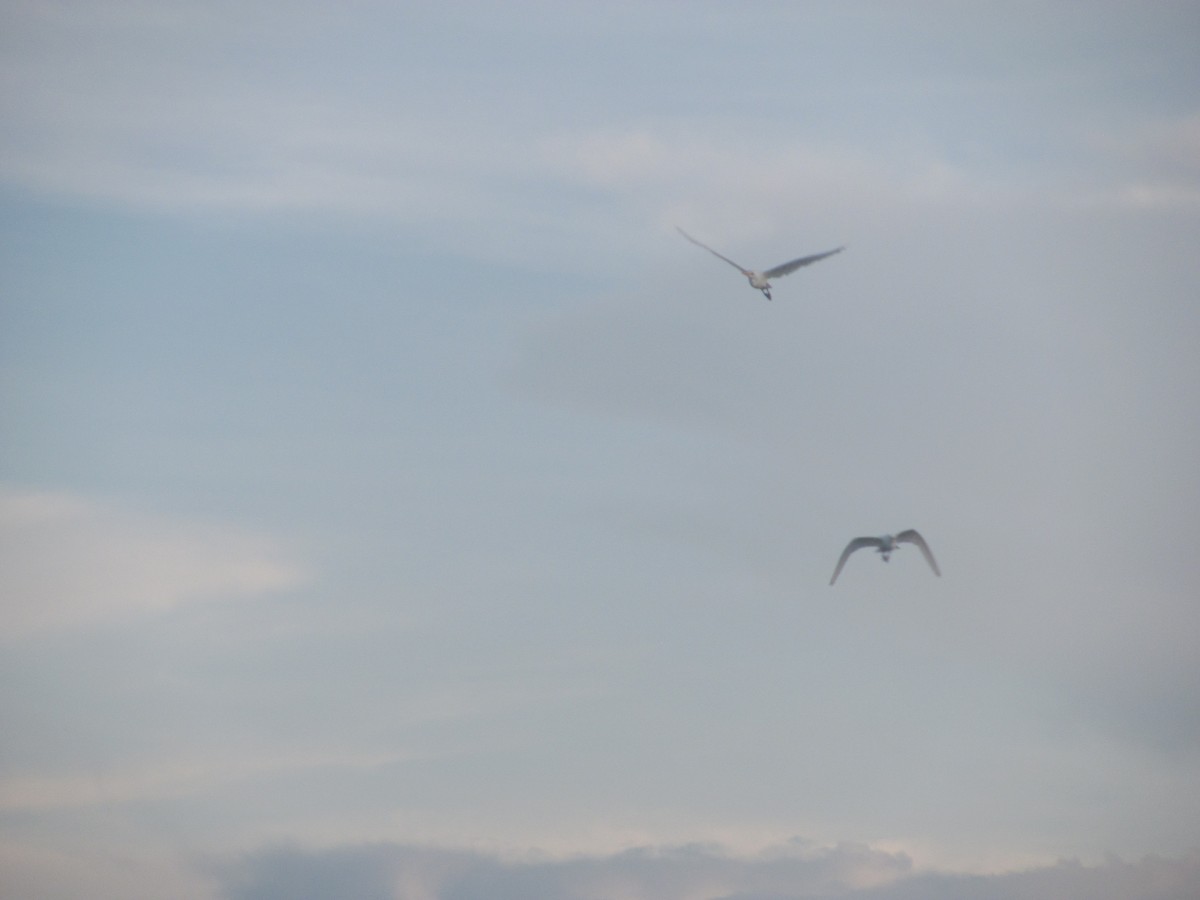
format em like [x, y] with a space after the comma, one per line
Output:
[393, 504]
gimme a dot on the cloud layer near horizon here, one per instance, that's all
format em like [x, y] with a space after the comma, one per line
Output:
[799, 871]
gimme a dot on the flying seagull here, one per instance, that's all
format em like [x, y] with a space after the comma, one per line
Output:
[762, 280]
[886, 545]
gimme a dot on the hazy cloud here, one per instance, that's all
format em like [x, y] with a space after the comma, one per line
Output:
[176, 779]
[94, 869]
[66, 561]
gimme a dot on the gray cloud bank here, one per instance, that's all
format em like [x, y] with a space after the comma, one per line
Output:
[801, 870]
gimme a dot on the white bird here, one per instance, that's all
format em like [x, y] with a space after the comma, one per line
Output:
[762, 280]
[887, 545]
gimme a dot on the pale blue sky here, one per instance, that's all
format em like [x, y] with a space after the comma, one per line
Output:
[394, 504]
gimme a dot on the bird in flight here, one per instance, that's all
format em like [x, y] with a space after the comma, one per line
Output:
[762, 280]
[886, 545]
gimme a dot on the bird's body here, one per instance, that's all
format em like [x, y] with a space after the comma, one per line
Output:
[762, 280]
[886, 546]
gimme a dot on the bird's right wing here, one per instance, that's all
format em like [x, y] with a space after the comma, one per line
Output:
[712, 251]
[788, 267]
[856, 544]
[911, 536]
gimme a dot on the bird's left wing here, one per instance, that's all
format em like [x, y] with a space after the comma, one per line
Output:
[788, 267]
[912, 537]
[856, 544]
[712, 251]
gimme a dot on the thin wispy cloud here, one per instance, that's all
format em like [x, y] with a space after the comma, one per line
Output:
[113, 106]
[158, 782]
[69, 562]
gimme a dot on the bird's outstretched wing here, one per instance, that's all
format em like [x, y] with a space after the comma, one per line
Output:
[856, 544]
[912, 537]
[788, 267]
[713, 252]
